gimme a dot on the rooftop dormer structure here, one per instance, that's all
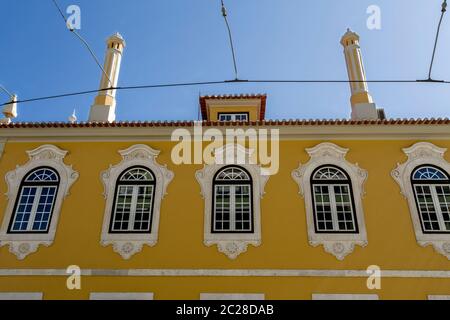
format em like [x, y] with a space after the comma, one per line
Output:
[233, 107]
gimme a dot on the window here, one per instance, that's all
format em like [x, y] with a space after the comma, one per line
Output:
[333, 201]
[36, 191]
[133, 201]
[233, 116]
[232, 194]
[134, 190]
[35, 203]
[333, 189]
[232, 208]
[432, 193]
[424, 182]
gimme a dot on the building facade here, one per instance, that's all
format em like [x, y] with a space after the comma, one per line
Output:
[165, 210]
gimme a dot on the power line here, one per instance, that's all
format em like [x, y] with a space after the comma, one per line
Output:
[225, 14]
[86, 44]
[444, 9]
[6, 91]
[185, 84]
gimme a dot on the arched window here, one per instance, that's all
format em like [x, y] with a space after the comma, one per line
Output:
[432, 194]
[333, 203]
[232, 201]
[133, 201]
[34, 205]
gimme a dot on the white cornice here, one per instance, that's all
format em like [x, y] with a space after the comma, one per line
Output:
[334, 132]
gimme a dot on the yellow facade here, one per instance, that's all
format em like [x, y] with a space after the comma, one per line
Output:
[391, 241]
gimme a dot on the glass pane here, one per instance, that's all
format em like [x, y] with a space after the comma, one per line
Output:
[242, 196]
[24, 208]
[323, 208]
[443, 193]
[143, 208]
[137, 174]
[222, 207]
[42, 175]
[429, 173]
[329, 173]
[344, 210]
[121, 216]
[44, 208]
[232, 173]
[427, 209]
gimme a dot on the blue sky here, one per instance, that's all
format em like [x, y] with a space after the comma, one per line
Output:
[183, 41]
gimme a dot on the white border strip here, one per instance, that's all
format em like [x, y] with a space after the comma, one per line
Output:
[227, 273]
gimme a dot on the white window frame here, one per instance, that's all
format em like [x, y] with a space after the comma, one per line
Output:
[232, 244]
[24, 296]
[232, 296]
[333, 205]
[436, 204]
[233, 116]
[133, 205]
[344, 296]
[337, 244]
[420, 154]
[128, 244]
[37, 198]
[121, 296]
[232, 220]
[22, 244]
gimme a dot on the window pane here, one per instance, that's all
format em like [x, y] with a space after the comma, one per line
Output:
[44, 208]
[344, 208]
[242, 207]
[443, 193]
[24, 209]
[426, 208]
[123, 208]
[143, 208]
[323, 208]
[222, 207]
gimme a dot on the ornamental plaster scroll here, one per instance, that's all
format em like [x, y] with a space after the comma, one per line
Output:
[51, 156]
[422, 153]
[128, 244]
[232, 245]
[339, 245]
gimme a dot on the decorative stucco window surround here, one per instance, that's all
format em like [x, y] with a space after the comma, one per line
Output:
[22, 244]
[338, 244]
[422, 153]
[232, 244]
[127, 244]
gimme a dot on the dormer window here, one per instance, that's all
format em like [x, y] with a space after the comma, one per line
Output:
[233, 116]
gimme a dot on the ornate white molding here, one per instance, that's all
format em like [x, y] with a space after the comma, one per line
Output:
[232, 244]
[422, 153]
[339, 245]
[45, 156]
[128, 244]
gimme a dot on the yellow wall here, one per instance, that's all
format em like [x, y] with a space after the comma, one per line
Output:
[391, 240]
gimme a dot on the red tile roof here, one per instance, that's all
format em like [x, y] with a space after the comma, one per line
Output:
[290, 122]
[263, 98]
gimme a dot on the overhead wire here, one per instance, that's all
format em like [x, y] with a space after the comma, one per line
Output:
[185, 84]
[443, 10]
[85, 43]
[230, 37]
